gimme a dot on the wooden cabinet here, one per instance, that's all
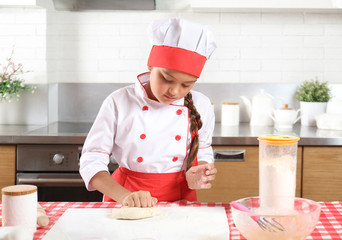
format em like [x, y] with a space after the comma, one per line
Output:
[234, 179]
[239, 179]
[7, 165]
[322, 173]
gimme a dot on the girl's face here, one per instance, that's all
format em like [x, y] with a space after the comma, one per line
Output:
[167, 85]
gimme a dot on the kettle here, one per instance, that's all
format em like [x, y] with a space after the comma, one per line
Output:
[260, 109]
[285, 117]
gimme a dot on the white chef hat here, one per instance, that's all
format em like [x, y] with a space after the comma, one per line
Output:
[180, 45]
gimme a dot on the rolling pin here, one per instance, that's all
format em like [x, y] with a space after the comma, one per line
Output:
[42, 219]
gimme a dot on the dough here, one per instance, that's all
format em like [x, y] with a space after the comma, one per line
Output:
[135, 212]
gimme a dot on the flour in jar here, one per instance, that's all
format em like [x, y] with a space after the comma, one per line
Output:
[277, 182]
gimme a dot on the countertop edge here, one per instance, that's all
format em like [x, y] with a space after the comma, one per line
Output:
[217, 141]
[42, 139]
[253, 141]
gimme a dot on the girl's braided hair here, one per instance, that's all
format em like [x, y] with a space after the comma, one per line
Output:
[195, 125]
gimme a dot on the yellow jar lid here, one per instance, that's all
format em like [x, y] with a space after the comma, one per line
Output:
[17, 190]
[278, 139]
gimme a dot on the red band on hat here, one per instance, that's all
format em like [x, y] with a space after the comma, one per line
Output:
[177, 59]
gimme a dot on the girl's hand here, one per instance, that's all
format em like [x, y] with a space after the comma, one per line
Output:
[139, 199]
[199, 177]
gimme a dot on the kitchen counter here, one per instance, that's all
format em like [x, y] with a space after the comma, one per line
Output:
[54, 133]
[327, 227]
[244, 134]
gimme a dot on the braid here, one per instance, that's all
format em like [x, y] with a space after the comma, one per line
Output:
[195, 125]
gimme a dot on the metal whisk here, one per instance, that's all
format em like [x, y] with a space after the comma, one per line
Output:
[270, 224]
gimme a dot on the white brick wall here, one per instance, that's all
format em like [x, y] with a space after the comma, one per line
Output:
[113, 46]
[25, 30]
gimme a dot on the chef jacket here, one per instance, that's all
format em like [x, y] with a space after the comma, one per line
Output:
[144, 135]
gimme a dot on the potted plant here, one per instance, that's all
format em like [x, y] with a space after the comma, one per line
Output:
[313, 96]
[11, 84]
[10, 81]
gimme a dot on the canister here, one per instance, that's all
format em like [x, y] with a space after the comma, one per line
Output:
[277, 171]
[230, 114]
[19, 206]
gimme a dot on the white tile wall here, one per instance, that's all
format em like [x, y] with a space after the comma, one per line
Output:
[113, 46]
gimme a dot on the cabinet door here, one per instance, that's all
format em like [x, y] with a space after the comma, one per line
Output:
[7, 165]
[322, 173]
[234, 179]
[240, 179]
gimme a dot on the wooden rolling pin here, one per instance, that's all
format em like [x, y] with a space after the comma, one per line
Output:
[42, 219]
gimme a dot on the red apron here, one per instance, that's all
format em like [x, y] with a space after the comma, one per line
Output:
[163, 186]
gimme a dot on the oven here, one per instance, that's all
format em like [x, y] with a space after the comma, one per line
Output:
[54, 170]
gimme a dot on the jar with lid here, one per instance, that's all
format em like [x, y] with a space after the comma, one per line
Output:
[277, 171]
[19, 206]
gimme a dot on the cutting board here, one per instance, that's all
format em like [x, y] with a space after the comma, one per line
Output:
[173, 223]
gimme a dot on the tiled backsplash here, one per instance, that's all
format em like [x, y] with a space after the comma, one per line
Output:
[113, 46]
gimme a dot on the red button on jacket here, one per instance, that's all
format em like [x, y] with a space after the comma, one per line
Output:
[143, 136]
[178, 137]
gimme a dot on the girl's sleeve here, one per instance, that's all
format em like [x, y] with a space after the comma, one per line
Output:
[99, 143]
[205, 152]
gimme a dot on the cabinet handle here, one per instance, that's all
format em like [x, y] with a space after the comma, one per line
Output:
[230, 155]
[49, 182]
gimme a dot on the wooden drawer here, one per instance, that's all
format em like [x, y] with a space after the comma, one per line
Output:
[322, 173]
[7, 165]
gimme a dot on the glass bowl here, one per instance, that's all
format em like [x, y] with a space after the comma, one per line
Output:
[281, 224]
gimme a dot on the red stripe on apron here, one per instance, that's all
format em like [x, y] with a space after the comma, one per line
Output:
[163, 186]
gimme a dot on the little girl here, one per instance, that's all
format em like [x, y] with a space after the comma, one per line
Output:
[157, 130]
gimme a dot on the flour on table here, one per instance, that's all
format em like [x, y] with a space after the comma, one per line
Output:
[135, 212]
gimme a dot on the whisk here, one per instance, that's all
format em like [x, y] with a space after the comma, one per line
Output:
[271, 225]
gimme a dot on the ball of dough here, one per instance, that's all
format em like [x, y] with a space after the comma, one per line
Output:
[135, 212]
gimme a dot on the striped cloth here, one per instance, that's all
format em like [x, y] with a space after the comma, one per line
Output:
[328, 227]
